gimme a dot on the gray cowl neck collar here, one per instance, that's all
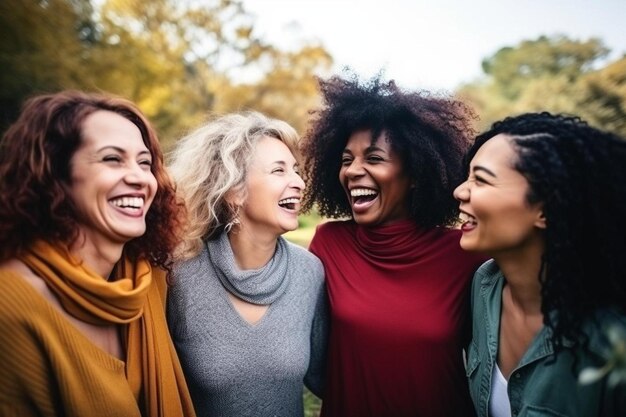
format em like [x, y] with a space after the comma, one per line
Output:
[257, 286]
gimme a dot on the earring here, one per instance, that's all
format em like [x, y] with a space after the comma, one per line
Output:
[230, 224]
[235, 219]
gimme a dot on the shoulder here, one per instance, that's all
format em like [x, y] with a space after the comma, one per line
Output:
[24, 303]
[335, 227]
[18, 281]
[192, 266]
[331, 235]
[304, 259]
[488, 271]
[487, 275]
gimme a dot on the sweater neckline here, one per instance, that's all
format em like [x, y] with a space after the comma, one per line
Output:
[260, 286]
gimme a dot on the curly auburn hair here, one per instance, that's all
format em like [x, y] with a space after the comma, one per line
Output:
[35, 155]
[578, 173]
[430, 133]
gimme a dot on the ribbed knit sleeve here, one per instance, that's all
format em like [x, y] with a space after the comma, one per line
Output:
[48, 367]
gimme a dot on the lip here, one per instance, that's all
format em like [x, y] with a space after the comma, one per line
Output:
[468, 225]
[363, 207]
[296, 209]
[128, 212]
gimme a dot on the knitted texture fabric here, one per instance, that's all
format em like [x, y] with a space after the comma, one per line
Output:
[235, 368]
[257, 286]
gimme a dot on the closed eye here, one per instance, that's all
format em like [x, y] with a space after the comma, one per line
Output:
[375, 158]
[112, 158]
[346, 160]
[480, 180]
[146, 163]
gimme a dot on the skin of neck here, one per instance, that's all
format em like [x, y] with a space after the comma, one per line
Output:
[101, 258]
[521, 272]
[252, 250]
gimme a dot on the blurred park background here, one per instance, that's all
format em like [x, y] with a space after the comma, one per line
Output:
[183, 60]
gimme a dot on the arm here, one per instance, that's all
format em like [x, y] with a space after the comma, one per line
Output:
[315, 376]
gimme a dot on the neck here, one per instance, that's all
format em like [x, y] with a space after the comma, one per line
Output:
[98, 256]
[521, 272]
[252, 251]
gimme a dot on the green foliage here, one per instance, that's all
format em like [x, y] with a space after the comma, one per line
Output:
[43, 45]
[556, 74]
[512, 67]
[174, 58]
[312, 404]
[309, 220]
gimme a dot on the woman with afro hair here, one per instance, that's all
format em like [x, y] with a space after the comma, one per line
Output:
[545, 198]
[383, 162]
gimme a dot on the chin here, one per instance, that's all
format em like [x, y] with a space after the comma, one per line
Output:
[467, 246]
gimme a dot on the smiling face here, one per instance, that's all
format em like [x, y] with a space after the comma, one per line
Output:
[111, 183]
[497, 215]
[374, 180]
[274, 190]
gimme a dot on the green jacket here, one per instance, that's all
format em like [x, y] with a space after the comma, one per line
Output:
[538, 386]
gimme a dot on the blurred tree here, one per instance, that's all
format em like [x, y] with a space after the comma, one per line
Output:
[288, 90]
[554, 74]
[176, 59]
[42, 48]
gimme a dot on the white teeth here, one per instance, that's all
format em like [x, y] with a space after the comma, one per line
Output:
[466, 218]
[289, 201]
[133, 202]
[358, 192]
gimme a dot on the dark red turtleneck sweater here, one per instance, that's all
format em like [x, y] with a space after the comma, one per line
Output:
[399, 298]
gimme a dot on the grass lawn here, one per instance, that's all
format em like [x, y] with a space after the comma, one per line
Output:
[301, 236]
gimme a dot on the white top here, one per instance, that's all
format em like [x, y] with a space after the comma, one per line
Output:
[499, 405]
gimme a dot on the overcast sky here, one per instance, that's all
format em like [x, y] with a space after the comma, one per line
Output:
[434, 44]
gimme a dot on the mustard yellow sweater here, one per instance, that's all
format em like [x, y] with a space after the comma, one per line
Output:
[48, 367]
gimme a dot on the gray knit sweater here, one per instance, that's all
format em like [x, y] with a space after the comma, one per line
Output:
[237, 369]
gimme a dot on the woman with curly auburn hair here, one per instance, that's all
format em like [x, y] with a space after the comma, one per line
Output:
[398, 282]
[247, 308]
[545, 197]
[87, 215]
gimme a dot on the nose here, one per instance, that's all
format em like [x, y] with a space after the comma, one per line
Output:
[297, 182]
[138, 175]
[462, 193]
[354, 169]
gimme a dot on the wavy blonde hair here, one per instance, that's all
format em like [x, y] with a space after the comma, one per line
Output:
[212, 162]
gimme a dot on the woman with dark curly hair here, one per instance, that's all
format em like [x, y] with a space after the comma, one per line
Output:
[398, 282]
[546, 199]
[87, 215]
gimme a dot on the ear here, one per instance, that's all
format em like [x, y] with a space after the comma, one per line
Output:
[540, 221]
[235, 197]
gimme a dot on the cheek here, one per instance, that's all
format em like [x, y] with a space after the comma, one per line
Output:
[342, 175]
[154, 186]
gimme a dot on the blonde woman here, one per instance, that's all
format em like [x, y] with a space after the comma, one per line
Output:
[247, 309]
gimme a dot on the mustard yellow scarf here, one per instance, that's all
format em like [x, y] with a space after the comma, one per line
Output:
[136, 298]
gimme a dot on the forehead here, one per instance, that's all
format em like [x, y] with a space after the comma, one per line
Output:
[364, 139]
[269, 150]
[498, 150]
[106, 128]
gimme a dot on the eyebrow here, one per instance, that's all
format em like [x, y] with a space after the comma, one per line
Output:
[371, 148]
[120, 150]
[284, 163]
[483, 169]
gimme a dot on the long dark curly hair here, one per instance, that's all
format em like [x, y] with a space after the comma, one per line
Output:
[35, 155]
[431, 134]
[578, 173]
